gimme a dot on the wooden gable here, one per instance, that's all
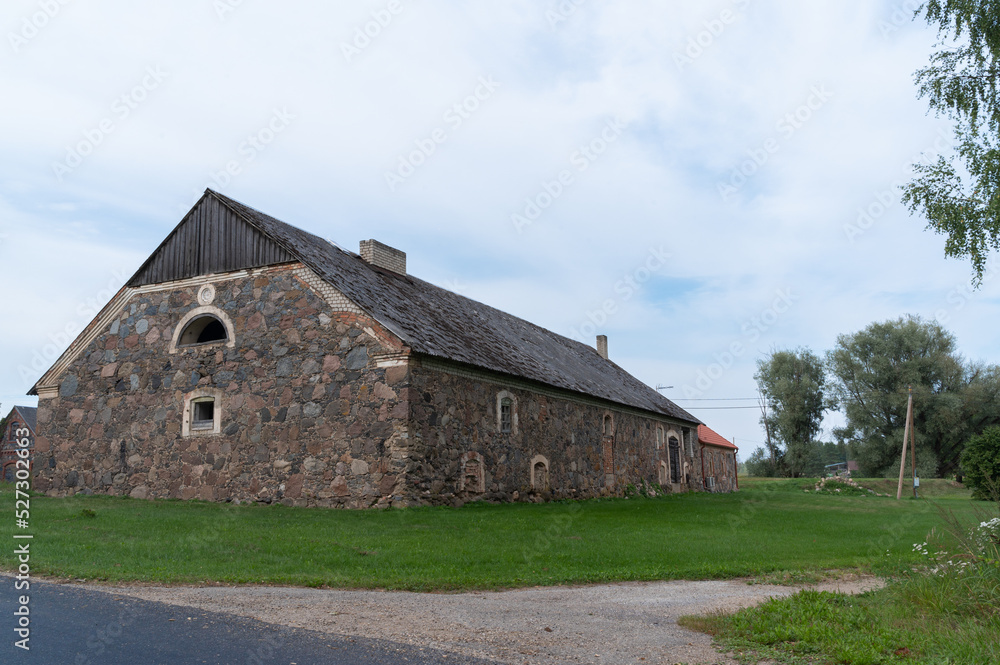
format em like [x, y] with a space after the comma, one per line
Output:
[212, 238]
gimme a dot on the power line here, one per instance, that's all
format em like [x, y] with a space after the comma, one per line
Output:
[715, 399]
[718, 408]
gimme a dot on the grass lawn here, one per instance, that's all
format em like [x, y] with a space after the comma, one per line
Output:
[770, 527]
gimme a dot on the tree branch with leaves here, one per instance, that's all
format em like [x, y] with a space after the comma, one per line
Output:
[959, 195]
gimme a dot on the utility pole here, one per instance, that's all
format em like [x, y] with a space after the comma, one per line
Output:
[908, 435]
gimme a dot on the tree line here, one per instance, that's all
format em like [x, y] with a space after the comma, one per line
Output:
[867, 376]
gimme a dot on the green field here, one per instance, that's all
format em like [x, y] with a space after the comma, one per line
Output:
[771, 526]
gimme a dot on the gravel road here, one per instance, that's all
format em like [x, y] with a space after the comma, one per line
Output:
[614, 623]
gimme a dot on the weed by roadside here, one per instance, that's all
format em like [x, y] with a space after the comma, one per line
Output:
[792, 577]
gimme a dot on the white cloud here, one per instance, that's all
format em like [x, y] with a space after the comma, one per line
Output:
[688, 128]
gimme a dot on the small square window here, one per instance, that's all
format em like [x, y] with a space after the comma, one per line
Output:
[203, 414]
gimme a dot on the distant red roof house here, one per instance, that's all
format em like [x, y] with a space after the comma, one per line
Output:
[718, 461]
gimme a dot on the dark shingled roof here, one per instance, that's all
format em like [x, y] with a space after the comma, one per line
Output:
[437, 322]
[29, 415]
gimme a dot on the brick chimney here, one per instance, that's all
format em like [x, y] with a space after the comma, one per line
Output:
[602, 346]
[383, 256]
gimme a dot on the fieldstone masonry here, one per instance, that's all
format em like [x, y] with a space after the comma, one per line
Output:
[453, 415]
[317, 405]
[307, 416]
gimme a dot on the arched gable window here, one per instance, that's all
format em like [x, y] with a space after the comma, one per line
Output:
[203, 330]
[207, 325]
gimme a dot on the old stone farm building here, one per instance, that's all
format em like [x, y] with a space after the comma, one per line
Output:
[16, 436]
[249, 360]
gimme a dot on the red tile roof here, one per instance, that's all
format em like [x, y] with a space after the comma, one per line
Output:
[708, 437]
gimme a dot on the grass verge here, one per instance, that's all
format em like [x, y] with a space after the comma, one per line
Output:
[766, 528]
[944, 610]
[932, 620]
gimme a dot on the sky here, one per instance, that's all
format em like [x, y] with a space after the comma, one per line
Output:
[703, 182]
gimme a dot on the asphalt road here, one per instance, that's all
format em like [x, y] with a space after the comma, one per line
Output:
[72, 626]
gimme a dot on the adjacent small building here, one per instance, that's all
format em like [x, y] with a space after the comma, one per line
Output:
[718, 461]
[20, 428]
[249, 360]
[841, 469]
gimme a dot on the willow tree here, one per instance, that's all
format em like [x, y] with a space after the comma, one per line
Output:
[872, 371]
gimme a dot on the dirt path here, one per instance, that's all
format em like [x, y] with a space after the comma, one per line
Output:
[616, 623]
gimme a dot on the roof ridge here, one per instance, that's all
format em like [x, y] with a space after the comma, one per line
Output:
[236, 206]
[508, 314]
[437, 322]
[242, 209]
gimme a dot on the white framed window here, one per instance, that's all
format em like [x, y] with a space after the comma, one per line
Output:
[202, 413]
[507, 412]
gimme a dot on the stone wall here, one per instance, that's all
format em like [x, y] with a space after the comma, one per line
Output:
[456, 439]
[318, 405]
[306, 415]
[720, 464]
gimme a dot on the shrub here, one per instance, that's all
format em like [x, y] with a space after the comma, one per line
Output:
[761, 465]
[981, 463]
